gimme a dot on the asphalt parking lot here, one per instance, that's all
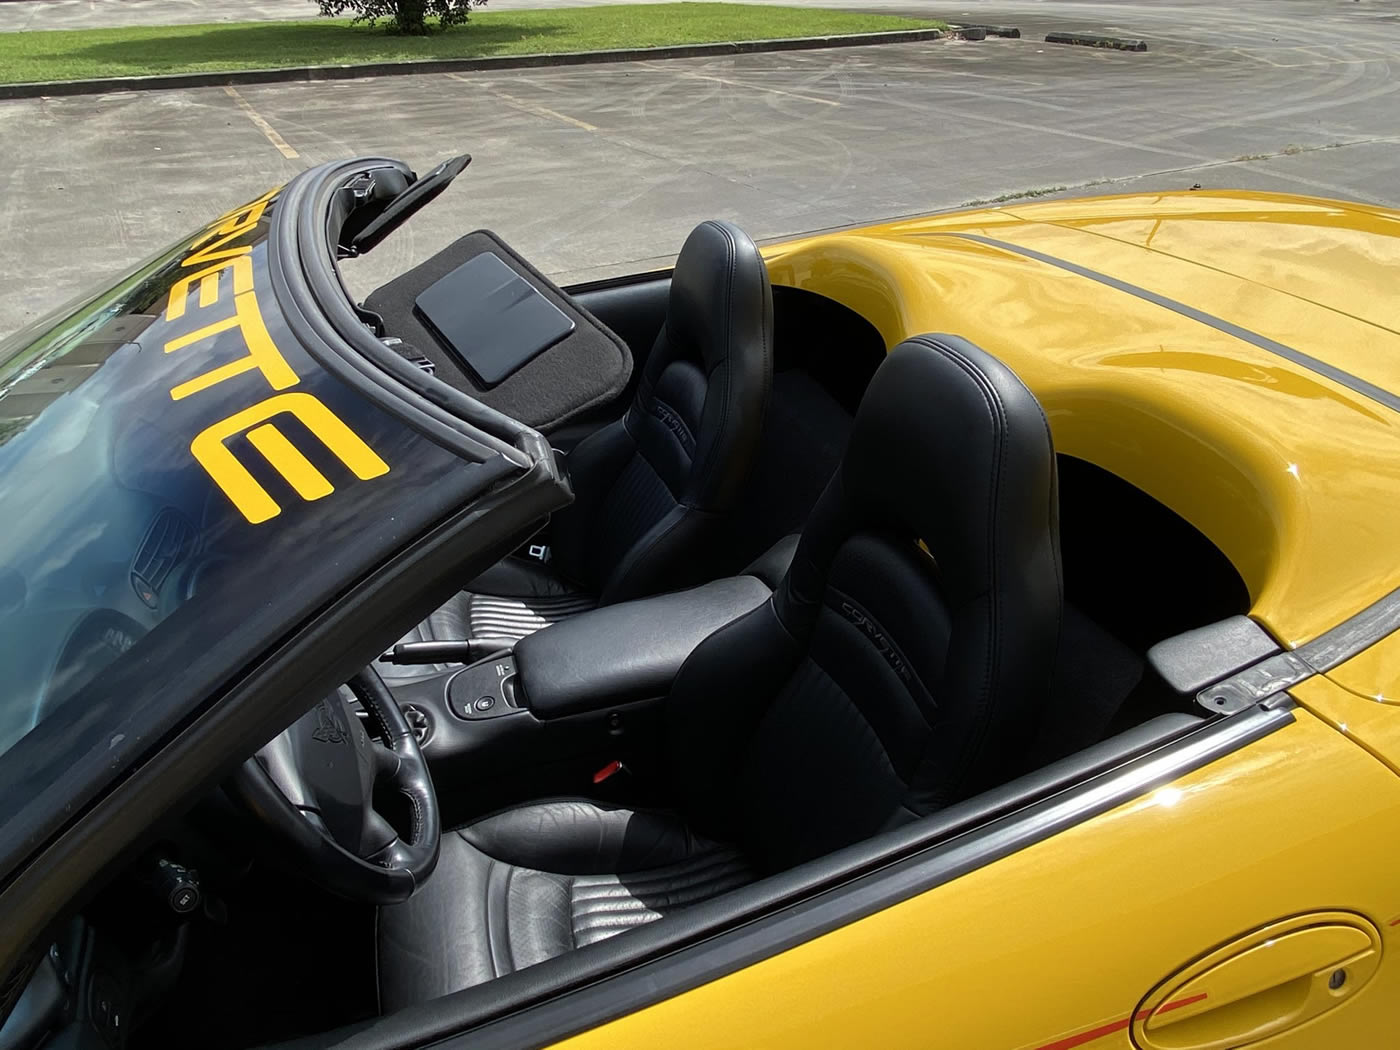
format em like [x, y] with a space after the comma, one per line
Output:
[598, 170]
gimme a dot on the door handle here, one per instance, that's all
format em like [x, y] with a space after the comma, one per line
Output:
[1261, 984]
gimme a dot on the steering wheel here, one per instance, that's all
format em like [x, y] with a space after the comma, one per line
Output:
[313, 787]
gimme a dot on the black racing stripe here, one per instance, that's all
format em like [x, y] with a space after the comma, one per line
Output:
[1346, 379]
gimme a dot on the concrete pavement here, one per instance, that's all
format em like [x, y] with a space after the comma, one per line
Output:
[598, 170]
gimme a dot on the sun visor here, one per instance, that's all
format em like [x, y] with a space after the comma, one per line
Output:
[497, 329]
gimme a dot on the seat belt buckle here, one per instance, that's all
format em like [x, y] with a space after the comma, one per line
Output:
[537, 552]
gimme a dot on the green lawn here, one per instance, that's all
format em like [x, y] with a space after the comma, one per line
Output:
[77, 54]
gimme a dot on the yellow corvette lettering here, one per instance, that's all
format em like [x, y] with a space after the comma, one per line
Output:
[228, 228]
[208, 447]
[259, 205]
[310, 484]
[262, 351]
[208, 278]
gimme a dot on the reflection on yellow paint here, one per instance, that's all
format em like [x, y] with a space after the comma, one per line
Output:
[233, 477]
[217, 255]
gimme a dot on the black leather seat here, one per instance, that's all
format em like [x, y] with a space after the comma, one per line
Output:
[534, 882]
[898, 667]
[651, 488]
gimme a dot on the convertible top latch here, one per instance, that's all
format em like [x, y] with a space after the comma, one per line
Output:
[356, 240]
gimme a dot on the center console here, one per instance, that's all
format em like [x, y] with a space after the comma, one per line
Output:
[629, 652]
[575, 696]
[486, 689]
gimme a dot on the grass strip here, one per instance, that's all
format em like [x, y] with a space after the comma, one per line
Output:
[79, 54]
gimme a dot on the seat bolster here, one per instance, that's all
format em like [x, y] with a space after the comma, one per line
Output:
[513, 577]
[657, 560]
[439, 940]
[579, 837]
[484, 915]
[721, 310]
[595, 465]
[772, 565]
[716, 703]
[476, 919]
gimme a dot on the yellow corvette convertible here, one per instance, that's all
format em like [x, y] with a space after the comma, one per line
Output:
[976, 632]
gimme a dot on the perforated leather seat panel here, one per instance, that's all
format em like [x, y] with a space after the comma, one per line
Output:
[497, 616]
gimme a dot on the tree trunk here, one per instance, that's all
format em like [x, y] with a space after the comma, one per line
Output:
[411, 16]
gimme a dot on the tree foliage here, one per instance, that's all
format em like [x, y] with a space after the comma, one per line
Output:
[402, 16]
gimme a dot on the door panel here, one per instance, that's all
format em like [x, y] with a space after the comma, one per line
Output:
[634, 309]
[1060, 945]
[1271, 980]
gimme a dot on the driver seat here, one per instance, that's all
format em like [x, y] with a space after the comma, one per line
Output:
[898, 667]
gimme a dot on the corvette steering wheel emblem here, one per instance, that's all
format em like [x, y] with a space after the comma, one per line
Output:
[329, 729]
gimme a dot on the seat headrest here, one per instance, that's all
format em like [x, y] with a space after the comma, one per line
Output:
[951, 448]
[719, 293]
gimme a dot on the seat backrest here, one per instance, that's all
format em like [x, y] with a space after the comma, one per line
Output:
[901, 663]
[651, 487]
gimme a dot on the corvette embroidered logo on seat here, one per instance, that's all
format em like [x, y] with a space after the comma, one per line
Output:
[883, 645]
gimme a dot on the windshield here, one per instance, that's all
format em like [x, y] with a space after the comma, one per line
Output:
[69, 600]
[183, 485]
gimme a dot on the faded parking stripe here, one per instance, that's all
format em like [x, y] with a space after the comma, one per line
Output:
[262, 125]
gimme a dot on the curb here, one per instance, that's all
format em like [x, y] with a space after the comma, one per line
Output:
[1090, 40]
[296, 74]
[1008, 32]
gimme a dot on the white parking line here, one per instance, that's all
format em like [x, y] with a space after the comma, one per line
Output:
[741, 84]
[267, 129]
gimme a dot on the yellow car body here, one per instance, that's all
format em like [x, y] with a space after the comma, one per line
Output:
[1233, 884]
[1237, 357]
